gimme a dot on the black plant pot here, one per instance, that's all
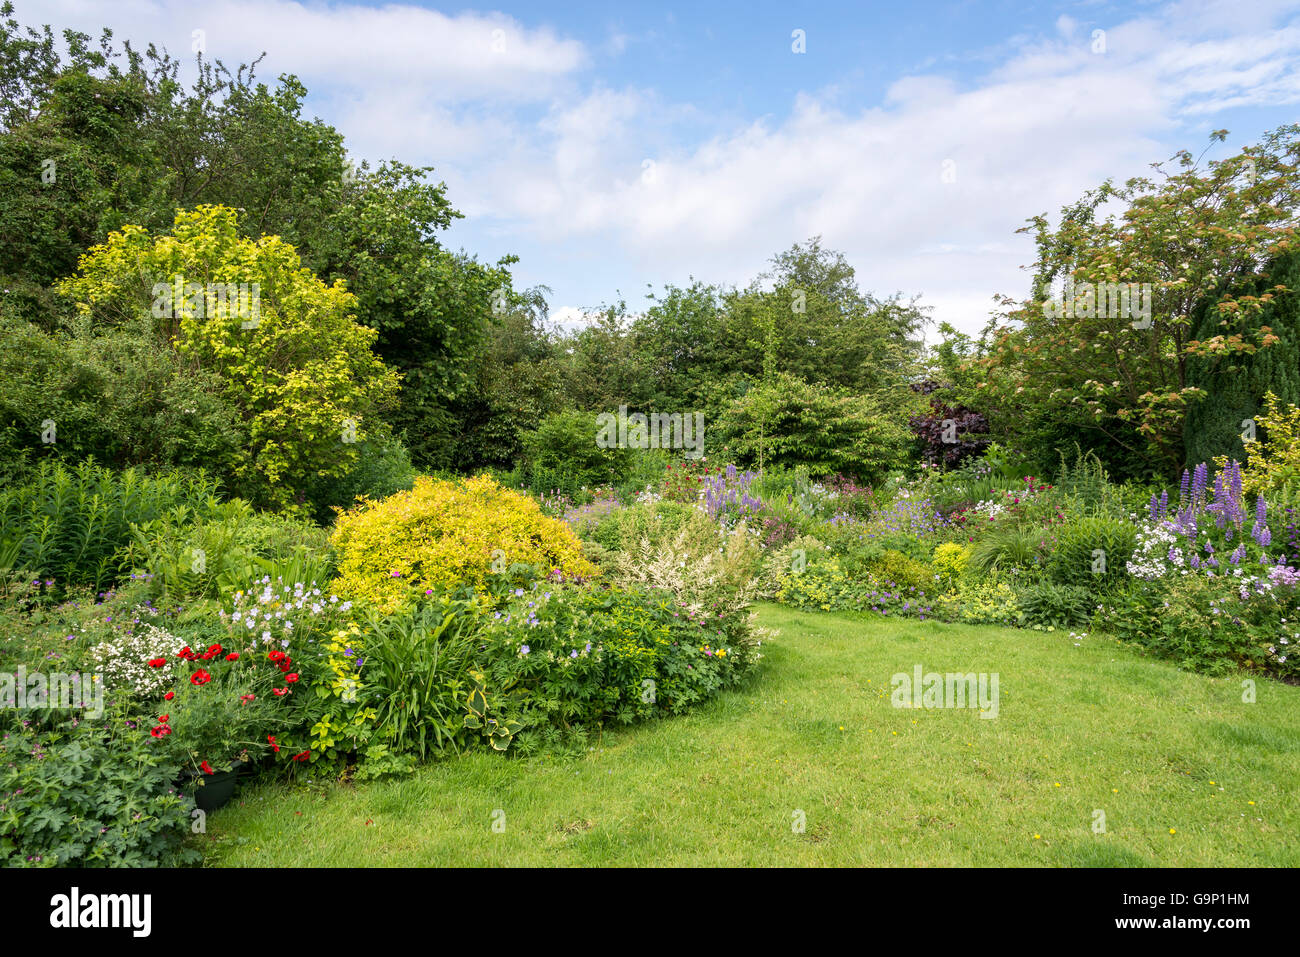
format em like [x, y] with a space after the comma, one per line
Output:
[216, 790]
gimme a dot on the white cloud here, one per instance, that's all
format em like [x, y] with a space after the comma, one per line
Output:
[448, 58]
[569, 317]
[1050, 121]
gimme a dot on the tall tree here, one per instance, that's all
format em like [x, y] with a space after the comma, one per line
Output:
[1117, 382]
[1233, 374]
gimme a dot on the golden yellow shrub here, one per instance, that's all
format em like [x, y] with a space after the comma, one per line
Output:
[1274, 461]
[950, 560]
[446, 533]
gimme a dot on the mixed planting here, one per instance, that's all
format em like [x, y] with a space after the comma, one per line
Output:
[291, 491]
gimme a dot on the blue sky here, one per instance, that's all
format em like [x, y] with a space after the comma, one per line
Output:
[611, 146]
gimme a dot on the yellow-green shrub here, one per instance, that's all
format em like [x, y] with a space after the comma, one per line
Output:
[1275, 460]
[897, 568]
[985, 601]
[444, 533]
[781, 561]
[950, 560]
[292, 360]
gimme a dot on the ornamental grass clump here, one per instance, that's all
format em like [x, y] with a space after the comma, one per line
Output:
[394, 552]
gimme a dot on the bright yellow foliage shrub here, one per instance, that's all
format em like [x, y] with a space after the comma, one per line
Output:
[950, 560]
[293, 359]
[1275, 460]
[446, 533]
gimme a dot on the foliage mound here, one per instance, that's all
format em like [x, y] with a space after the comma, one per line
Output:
[444, 534]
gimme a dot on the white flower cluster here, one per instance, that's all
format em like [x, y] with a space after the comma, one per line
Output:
[124, 661]
[267, 611]
[1272, 649]
[1156, 545]
[990, 509]
[647, 495]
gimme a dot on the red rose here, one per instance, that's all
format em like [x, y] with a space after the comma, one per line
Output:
[157, 662]
[207, 768]
[291, 678]
[233, 656]
[169, 695]
[200, 677]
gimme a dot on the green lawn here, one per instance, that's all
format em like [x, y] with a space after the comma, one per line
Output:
[1080, 729]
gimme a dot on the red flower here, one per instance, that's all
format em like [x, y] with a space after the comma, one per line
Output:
[214, 649]
[291, 678]
[274, 747]
[200, 677]
[233, 656]
[279, 692]
[303, 756]
[159, 731]
[169, 695]
[163, 719]
[276, 655]
[157, 662]
[187, 653]
[207, 768]
[245, 698]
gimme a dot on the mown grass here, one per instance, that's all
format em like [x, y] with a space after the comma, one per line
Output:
[1186, 773]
